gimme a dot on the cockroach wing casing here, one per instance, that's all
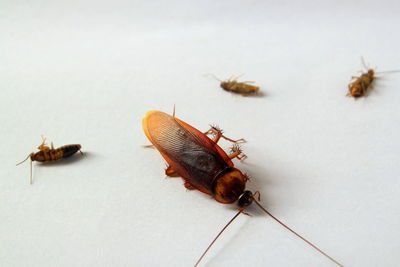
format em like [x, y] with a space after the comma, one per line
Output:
[195, 157]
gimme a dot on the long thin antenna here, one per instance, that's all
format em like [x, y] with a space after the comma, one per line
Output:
[387, 71]
[302, 238]
[30, 178]
[23, 160]
[377, 72]
[212, 75]
[363, 63]
[215, 239]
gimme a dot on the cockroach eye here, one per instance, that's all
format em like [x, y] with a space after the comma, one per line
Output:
[245, 199]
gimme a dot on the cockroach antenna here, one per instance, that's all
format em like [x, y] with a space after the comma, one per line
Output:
[215, 239]
[252, 198]
[213, 76]
[367, 67]
[30, 177]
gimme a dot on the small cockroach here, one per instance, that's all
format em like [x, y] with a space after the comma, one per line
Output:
[242, 88]
[203, 165]
[46, 154]
[360, 84]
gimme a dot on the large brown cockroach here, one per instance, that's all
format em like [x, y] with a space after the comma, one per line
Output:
[203, 165]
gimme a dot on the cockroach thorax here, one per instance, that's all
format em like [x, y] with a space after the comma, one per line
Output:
[229, 186]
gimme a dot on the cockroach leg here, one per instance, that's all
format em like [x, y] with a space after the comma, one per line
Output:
[43, 146]
[218, 133]
[188, 186]
[52, 146]
[148, 146]
[241, 140]
[247, 82]
[236, 152]
[245, 213]
[171, 172]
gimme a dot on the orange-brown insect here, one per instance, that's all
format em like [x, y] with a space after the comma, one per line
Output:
[362, 83]
[243, 88]
[46, 154]
[203, 165]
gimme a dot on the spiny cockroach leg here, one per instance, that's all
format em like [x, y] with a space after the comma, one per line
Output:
[217, 132]
[241, 140]
[236, 152]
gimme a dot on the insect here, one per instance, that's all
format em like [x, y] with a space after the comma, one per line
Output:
[46, 154]
[360, 84]
[243, 88]
[203, 165]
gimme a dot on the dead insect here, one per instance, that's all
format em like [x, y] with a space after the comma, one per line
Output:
[46, 153]
[362, 83]
[242, 88]
[203, 165]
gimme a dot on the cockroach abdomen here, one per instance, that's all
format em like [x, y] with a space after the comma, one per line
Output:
[70, 150]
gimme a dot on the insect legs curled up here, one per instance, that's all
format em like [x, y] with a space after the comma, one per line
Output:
[47, 154]
[361, 84]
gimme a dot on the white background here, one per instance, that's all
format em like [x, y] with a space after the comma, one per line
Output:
[87, 71]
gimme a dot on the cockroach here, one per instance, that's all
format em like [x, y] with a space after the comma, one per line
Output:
[360, 84]
[47, 154]
[203, 165]
[242, 88]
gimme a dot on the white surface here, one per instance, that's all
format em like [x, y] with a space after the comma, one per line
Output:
[86, 73]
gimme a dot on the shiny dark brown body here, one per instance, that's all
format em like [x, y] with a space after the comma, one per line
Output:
[47, 154]
[195, 157]
[361, 84]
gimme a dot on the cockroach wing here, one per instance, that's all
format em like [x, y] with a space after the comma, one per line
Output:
[189, 152]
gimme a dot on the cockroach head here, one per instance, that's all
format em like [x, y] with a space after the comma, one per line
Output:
[371, 72]
[245, 199]
[225, 85]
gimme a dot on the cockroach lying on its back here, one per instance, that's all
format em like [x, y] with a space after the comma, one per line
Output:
[362, 83]
[203, 165]
[46, 154]
[242, 88]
